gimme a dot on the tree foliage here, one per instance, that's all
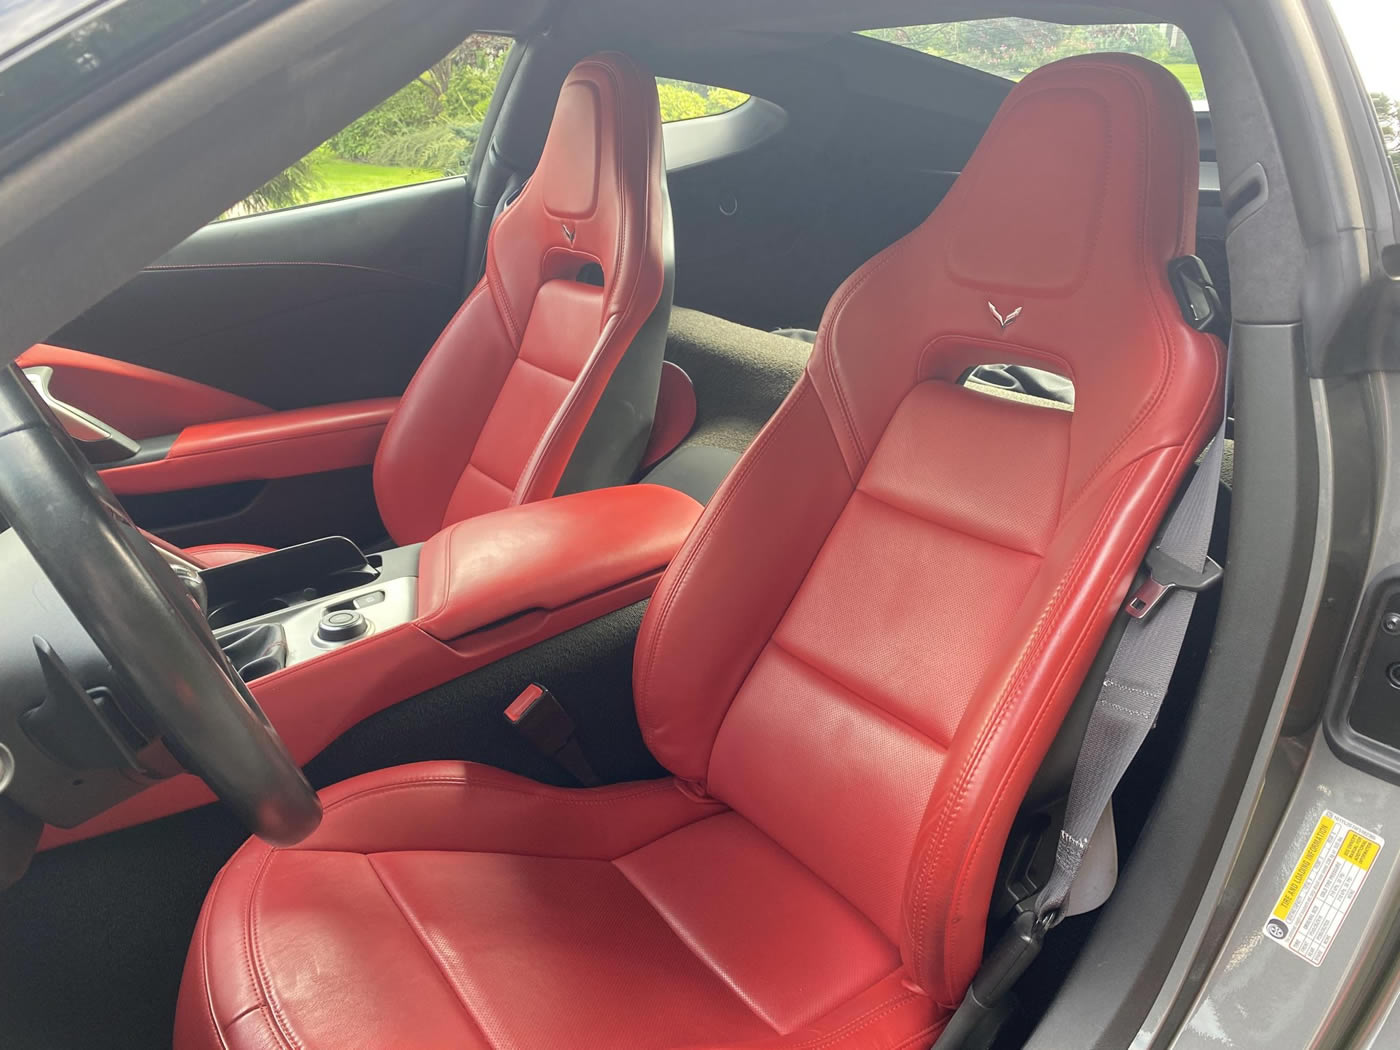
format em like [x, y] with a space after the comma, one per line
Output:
[440, 107]
[683, 99]
[431, 124]
[1013, 47]
[1388, 116]
[295, 185]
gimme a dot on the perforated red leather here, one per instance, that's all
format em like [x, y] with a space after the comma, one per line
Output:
[496, 409]
[854, 665]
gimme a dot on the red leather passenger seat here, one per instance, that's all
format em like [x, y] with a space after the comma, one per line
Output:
[852, 669]
[548, 374]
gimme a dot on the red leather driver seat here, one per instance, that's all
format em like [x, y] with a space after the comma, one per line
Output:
[853, 667]
[546, 378]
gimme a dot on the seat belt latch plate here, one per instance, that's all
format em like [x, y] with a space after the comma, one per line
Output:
[1164, 575]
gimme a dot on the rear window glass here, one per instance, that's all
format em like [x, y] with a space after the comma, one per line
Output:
[1013, 47]
[685, 99]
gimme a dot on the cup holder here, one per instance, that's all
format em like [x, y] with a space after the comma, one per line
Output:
[255, 651]
[239, 610]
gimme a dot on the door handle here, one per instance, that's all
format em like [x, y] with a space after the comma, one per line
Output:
[100, 442]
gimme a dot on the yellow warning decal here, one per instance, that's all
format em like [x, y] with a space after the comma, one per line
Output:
[1359, 850]
[1326, 879]
[1289, 897]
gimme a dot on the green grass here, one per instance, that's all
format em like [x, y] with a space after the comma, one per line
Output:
[1190, 76]
[343, 178]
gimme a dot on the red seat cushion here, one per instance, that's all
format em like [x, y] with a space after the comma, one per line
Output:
[213, 554]
[451, 905]
[853, 667]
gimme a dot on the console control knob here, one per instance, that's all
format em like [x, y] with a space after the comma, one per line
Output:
[343, 625]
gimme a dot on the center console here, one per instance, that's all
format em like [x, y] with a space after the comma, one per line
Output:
[327, 636]
[280, 609]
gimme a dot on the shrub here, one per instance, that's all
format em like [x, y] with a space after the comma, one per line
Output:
[438, 147]
[469, 92]
[295, 185]
[681, 100]
[408, 109]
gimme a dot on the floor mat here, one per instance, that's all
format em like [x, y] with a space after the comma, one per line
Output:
[93, 939]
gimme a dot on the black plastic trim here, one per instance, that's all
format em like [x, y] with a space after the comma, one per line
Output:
[1359, 677]
[101, 85]
[151, 450]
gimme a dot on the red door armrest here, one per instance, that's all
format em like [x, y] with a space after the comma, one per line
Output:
[260, 448]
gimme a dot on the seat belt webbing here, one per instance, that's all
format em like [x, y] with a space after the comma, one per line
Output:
[1141, 669]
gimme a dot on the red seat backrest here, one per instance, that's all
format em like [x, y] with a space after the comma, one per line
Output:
[876, 628]
[577, 279]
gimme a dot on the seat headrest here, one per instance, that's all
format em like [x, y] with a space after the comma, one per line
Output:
[593, 200]
[1050, 250]
[1091, 164]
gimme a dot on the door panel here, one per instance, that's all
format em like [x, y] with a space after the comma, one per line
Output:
[258, 362]
[313, 305]
[140, 402]
[275, 513]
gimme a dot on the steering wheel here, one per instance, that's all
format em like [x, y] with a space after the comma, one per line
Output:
[144, 621]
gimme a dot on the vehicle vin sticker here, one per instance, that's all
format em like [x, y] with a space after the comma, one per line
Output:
[1324, 883]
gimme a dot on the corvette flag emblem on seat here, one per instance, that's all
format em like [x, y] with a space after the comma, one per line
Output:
[1005, 321]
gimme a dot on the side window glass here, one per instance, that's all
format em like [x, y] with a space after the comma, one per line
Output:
[426, 130]
[1371, 30]
[1388, 113]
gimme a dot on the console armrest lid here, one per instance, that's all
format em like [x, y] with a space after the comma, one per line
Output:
[546, 555]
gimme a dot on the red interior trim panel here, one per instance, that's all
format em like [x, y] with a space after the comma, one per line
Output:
[545, 555]
[675, 414]
[140, 402]
[487, 587]
[260, 448]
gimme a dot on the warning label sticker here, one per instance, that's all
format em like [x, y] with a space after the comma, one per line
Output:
[1324, 883]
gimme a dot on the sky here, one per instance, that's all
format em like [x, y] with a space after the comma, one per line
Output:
[1372, 28]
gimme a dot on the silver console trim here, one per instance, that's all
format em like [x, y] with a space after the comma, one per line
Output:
[400, 606]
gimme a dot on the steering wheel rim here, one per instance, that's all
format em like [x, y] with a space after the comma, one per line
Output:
[143, 621]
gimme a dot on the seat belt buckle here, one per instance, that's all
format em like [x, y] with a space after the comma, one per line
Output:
[1164, 575]
[538, 716]
[982, 1008]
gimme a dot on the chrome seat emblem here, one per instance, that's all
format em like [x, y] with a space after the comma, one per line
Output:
[1005, 321]
[570, 233]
